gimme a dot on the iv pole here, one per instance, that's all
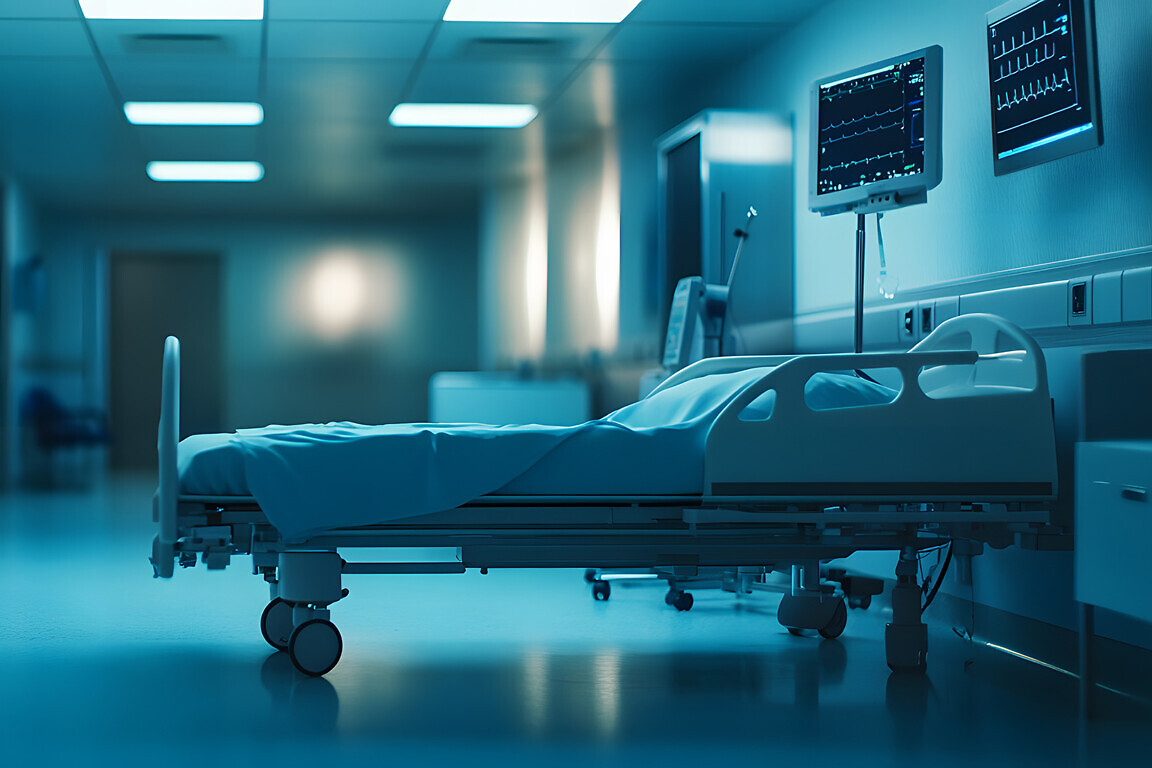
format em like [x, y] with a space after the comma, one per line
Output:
[859, 282]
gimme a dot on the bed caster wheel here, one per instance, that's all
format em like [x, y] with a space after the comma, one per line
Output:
[679, 599]
[590, 575]
[601, 590]
[276, 624]
[315, 647]
[836, 624]
[795, 631]
[861, 602]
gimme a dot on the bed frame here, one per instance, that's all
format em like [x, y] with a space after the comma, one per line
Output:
[968, 445]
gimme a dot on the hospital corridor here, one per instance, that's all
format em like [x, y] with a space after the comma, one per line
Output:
[539, 383]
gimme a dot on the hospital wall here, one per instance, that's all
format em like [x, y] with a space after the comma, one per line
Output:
[19, 244]
[293, 349]
[974, 223]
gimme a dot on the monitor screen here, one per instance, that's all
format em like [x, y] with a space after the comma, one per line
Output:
[876, 135]
[1042, 75]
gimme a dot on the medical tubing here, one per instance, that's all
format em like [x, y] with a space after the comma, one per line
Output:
[939, 580]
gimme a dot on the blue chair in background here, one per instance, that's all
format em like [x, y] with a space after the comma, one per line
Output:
[55, 427]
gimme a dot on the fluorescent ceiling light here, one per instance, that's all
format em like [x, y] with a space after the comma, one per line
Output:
[463, 115]
[164, 170]
[194, 10]
[541, 11]
[193, 113]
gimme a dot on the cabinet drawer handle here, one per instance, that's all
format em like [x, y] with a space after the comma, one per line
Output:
[1134, 493]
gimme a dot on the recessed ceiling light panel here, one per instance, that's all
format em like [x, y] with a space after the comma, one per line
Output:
[165, 170]
[539, 11]
[193, 113]
[463, 115]
[193, 10]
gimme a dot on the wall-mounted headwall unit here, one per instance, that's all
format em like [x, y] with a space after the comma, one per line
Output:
[711, 170]
[1094, 295]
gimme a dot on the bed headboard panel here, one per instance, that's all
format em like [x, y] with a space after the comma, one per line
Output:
[167, 439]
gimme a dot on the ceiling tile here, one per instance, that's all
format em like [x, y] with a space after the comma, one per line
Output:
[499, 82]
[732, 11]
[185, 78]
[314, 91]
[707, 42]
[182, 142]
[43, 38]
[143, 38]
[347, 40]
[38, 9]
[356, 10]
[517, 41]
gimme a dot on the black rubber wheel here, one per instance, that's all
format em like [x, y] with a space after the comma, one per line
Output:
[315, 647]
[276, 624]
[860, 601]
[670, 597]
[795, 631]
[836, 624]
[590, 575]
[601, 590]
[683, 601]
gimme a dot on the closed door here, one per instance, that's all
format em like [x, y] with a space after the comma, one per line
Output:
[155, 295]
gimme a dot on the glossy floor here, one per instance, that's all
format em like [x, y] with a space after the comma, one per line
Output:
[101, 664]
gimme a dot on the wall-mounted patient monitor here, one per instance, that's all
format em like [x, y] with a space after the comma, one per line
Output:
[1042, 81]
[876, 135]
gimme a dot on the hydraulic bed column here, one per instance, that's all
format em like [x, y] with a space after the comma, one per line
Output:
[906, 637]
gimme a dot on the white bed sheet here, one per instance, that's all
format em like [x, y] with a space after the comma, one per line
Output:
[309, 478]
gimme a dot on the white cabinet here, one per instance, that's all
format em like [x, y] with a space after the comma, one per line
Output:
[1114, 525]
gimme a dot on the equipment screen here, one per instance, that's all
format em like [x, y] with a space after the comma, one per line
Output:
[876, 137]
[872, 127]
[1041, 71]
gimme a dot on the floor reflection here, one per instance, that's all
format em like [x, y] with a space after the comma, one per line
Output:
[101, 663]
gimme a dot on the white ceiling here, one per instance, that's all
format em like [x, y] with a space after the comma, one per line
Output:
[328, 73]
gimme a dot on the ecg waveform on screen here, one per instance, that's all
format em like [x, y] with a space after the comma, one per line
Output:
[1032, 65]
[871, 127]
[1034, 90]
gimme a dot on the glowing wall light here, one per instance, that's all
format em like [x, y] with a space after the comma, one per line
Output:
[536, 269]
[748, 139]
[608, 251]
[337, 295]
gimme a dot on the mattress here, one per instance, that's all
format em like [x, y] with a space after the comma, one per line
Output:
[313, 477]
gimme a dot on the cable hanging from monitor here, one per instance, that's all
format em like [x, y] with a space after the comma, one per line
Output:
[886, 283]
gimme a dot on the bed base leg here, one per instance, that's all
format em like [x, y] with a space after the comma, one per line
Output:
[906, 636]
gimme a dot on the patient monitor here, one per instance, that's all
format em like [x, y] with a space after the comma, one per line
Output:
[876, 144]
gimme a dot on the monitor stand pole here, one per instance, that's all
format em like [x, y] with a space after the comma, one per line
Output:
[859, 283]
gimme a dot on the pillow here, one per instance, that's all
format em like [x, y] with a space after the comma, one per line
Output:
[826, 391]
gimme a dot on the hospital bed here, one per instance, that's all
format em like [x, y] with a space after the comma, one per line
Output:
[758, 475]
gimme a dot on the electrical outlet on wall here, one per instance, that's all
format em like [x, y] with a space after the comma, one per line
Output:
[925, 317]
[1080, 301]
[906, 323]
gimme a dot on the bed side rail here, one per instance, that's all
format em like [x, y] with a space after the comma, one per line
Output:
[974, 436]
[711, 365]
[167, 439]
